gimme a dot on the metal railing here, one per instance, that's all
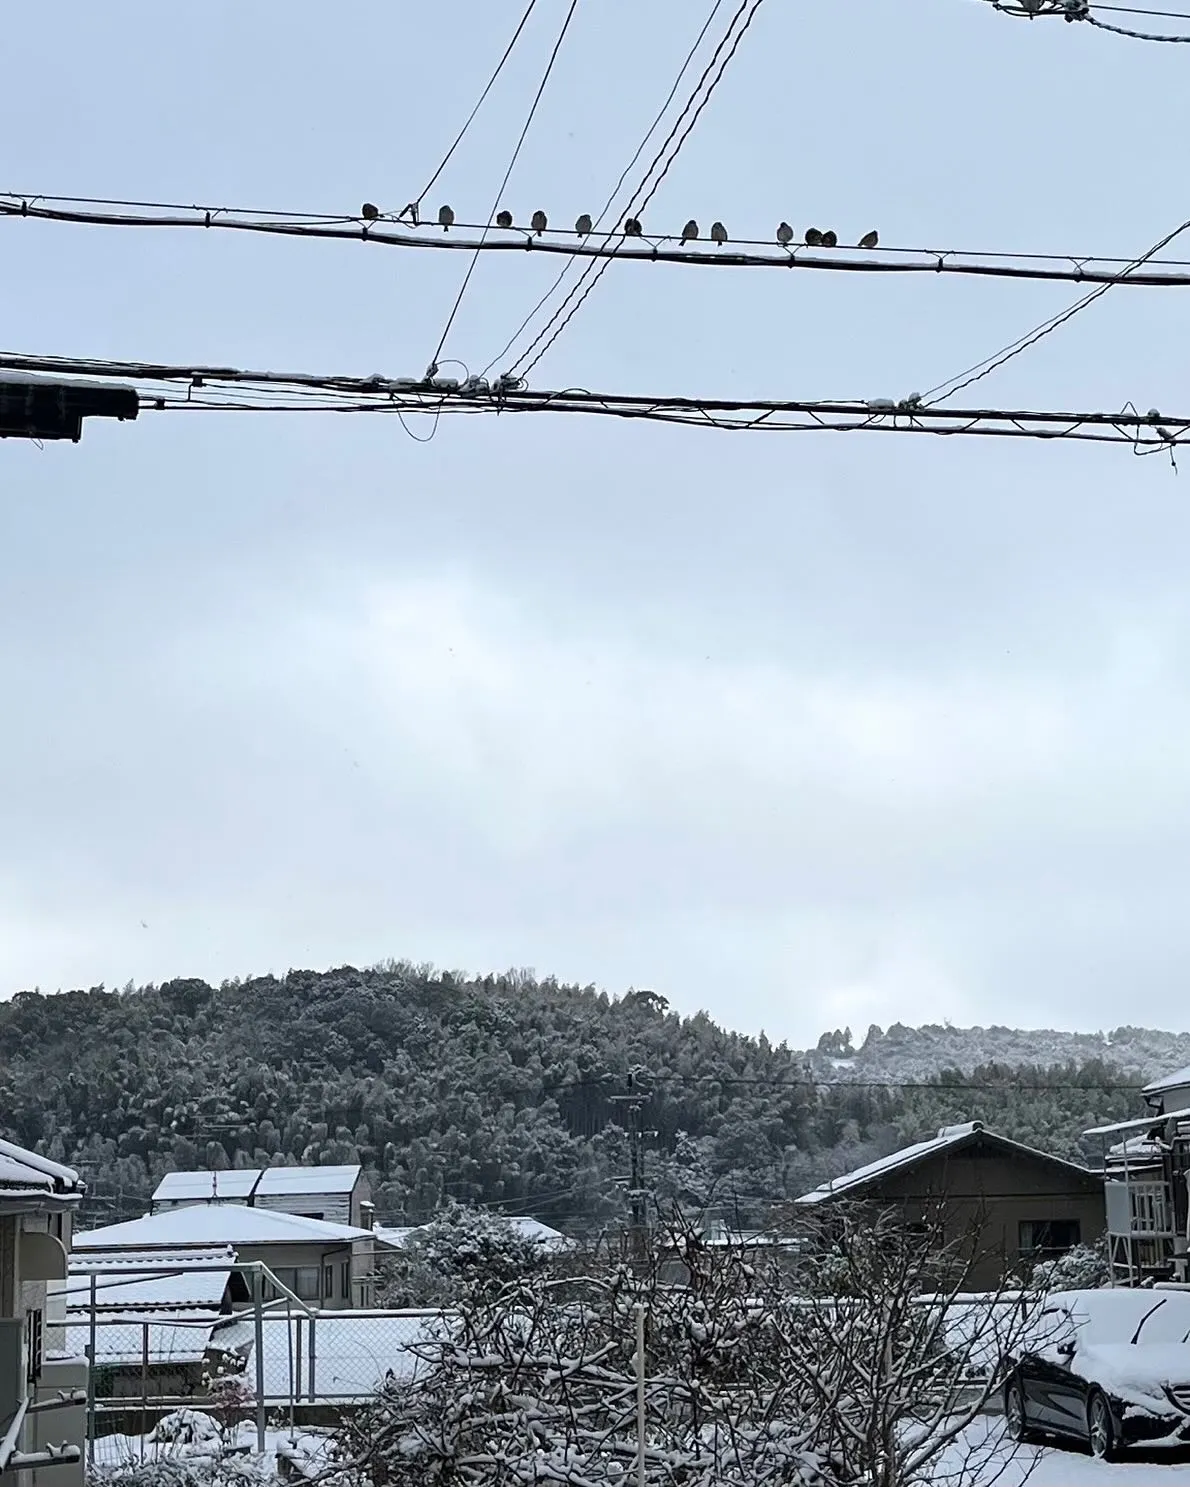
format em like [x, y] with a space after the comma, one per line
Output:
[273, 1357]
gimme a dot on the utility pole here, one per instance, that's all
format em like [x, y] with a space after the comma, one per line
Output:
[634, 1102]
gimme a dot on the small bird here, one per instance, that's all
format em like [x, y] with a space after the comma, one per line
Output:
[369, 212]
[539, 223]
[813, 238]
[690, 231]
[869, 239]
[830, 239]
[583, 225]
[785, 234]
[718, 234]
[632, 227]
[446, 218]
[504, 219]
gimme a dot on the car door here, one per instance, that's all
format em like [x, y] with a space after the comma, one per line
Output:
[1048, 1383]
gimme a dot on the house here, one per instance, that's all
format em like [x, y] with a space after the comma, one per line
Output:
[322, 1263]
[1015, 1205]
[43, 1390]
[1147, 1185]
[339, 1195]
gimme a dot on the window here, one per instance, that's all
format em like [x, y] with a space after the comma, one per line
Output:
[34, 1329]
[345, 1278]
[1048, 1236]
[328, 1282]
[302, 1280]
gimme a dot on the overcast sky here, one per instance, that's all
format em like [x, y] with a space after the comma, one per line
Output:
[803, 730]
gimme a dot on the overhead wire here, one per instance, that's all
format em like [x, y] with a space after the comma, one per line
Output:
[615, 191]
[984, 368]
[499, 68]
[1076, 268]
[165, 387]
[562, 316]
[537, 97]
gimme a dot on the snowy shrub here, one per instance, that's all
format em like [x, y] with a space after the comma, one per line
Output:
[463, 1256]
[200, 1470]
[1084, 1268]
[185, 1428]
[539, 1384]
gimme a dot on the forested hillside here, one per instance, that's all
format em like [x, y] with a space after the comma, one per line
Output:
[502, 1090]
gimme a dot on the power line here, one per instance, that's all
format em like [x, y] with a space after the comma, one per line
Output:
[549, 67]
[663, 248]
[1087, 10]
[562, 316]
[190, 388]
[615, 191]
[508, 50]
[990, 364]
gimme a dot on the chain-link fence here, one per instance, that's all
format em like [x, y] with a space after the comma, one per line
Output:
[275, 1360]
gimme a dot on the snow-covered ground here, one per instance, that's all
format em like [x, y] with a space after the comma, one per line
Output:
[306, 1446]
[991, 1460]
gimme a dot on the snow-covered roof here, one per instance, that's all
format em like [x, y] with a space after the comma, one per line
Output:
[394, 1235]
[949, 1139]
[254, 1182]
[1179, 1079]
[216, 1223]
[124, 1285]
[193, 1187]
[293, 1182]
[28, 1172]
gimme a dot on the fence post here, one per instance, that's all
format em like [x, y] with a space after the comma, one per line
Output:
[258, 1349]
[91, 1364]
[640, 1395]
[310, 1370]
[144, 1387]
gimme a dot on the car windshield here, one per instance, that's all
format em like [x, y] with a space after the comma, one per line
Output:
[1146, 1318]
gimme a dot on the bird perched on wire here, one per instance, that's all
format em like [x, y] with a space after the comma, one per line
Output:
[690, 231]
[504, 219]
[446, 218]
[830, 239]
[813, 238]
[583, 225]
[869, 239]
[785, 234]
[718, 234]
[369, 212]
[538, 222]
[632, 227]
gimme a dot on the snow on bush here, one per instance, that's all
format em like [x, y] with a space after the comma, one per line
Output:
[1084, 1268]
[463, 1256]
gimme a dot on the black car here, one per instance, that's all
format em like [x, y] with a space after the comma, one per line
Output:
[1108, 1368]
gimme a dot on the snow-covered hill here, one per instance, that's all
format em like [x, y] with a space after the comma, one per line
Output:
[902, 1053]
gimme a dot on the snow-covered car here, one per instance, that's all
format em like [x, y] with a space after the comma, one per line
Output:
[1107, 1368]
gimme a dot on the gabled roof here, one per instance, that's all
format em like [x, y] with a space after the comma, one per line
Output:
[216, 1223]
[193, 1187]
[24, 1171]
[294, 1182]
[253, 1182]
[1177, 1080]
[949, 1140]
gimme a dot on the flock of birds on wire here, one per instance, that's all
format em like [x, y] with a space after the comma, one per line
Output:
[691, 233]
